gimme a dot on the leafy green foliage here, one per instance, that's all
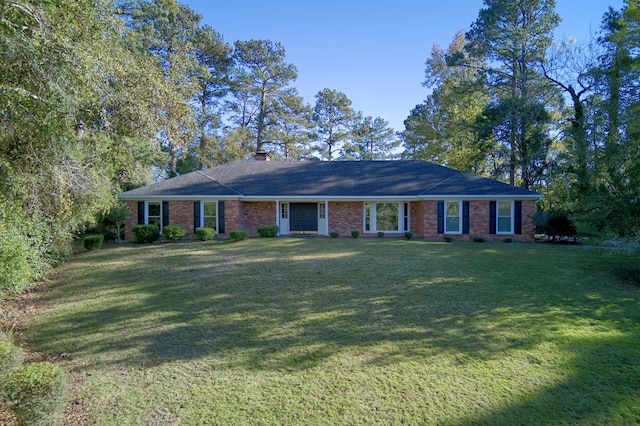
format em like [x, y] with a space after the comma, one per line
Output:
[333, 119]
[408, 235]
[380, 234]
[93, 242]
[478, 239]
[268, 231]
[355, 233]
[172, 233]
[145, 234]
[205, 234]
[334, 234]
[11, 357]
[36, 393]
[238, 234]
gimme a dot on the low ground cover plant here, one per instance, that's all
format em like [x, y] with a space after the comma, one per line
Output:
[205, 234]
[238, 234]
[267, 231]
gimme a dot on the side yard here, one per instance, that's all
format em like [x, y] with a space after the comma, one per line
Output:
[324, 331]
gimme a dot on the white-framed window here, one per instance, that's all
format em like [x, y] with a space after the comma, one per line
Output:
[504, 217]
[154, 213]
[385, 217]
[322, 210]
[284, 210]
[453, 217]
[210, 214]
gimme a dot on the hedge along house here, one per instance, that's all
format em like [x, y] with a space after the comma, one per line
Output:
[317, 198]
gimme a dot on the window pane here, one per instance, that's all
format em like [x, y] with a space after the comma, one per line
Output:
[504, 224]
[453, 224]
[504, 209]
[387, 217]
[323, 211]
[210, 209]
[453, 209]
[154, 221]
[154, 209]
[284, 210]
[210, 222]
[367, 217]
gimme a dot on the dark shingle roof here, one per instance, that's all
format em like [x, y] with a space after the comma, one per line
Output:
[327, 179]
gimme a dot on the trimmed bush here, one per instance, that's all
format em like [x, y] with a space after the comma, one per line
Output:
[36, 393]
[408, 235]
[508, 240]
[146, 234]
[267, 231]
[477, 239]
[205, 234]
[355, 233]
[11, 357]
[380, 234]
[448, 239]
[238, 234]
[172, 233]
[334, 234]
[93, 242]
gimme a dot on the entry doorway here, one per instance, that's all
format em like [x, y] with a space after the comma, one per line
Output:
[303, 218]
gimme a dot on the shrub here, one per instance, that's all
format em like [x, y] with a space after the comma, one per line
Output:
[93, 242]
[205, 234]
[11, 357]
[146, 234]
[477, 239]
[355, 233]
[408, 235]
[238, 234]
[36, 393]
[448, 239]
[508, 240]
[172, 233]
[267, 231]
[380, 234]
[334, 234]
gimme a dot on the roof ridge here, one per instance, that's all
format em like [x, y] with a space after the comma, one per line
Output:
[219, 183]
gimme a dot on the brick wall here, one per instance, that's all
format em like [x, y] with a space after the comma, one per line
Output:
[132, 219]
[416, 213]
[344, 216]
[256, 214]
[181, 213]
[233, 215]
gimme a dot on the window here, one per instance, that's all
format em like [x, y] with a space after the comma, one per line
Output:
[284, 210]
[322, 210]
[154, 213]
[504, 217]
[452, 217]
[367, 217]
[385, 217]
[209, 214]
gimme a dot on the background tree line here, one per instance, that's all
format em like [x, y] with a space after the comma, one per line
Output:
[508, 101]
[99, 96]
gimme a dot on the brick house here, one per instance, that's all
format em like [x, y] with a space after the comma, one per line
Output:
[317, 198]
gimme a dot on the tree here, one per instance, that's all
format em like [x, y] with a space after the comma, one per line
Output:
[213, 79]
[262, 92]
[443, 128]
[333, 119]
[168, 30]
[514, 35]
[373, 139]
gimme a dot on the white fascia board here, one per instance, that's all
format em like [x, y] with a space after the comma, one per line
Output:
[481, 197]
[325, 198]
[179, 197]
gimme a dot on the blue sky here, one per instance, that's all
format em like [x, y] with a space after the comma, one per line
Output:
[372, 51]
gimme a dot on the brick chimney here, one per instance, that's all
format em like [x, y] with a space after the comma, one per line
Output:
[261, 156]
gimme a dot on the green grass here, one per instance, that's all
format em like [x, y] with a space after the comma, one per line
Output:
[366, 331]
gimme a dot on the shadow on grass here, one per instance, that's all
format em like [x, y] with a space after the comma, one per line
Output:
[295, 304]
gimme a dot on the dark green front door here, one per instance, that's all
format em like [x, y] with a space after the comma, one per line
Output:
[303, 217]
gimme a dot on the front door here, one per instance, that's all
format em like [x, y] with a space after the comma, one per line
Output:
[303, 218]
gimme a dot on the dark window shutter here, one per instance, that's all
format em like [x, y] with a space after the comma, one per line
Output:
[440, 217]
[517, 219]
[465, 217]
[196, 215]
[492, 217]
[221, 217]
[165, 213]
[140, 212]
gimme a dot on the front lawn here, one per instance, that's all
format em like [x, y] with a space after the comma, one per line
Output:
[366, 331]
